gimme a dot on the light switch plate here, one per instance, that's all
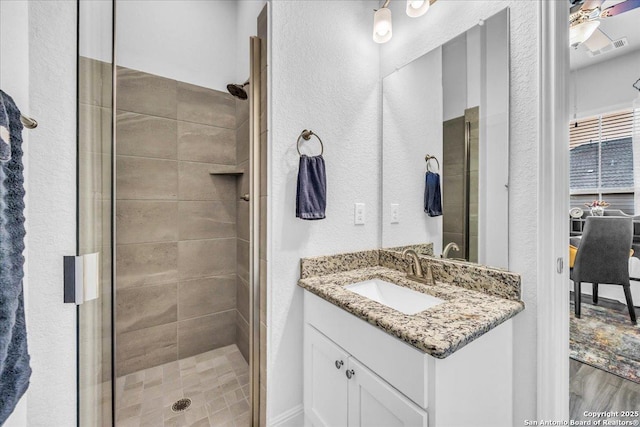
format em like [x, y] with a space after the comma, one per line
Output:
[359, 213]
[395, 213]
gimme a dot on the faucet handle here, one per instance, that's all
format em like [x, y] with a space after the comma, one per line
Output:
[415, 269]
[428, 275]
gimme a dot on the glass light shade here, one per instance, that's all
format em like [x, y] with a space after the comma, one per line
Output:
[382, 30]
[417, 8]
[581, 32]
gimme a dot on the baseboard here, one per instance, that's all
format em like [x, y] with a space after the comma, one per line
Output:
[294, 417]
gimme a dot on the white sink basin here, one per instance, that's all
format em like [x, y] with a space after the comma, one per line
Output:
[397, 297]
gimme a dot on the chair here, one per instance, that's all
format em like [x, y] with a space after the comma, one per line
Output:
[603, 257]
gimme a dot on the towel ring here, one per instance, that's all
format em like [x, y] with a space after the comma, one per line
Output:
[428, 158]
[306, 135]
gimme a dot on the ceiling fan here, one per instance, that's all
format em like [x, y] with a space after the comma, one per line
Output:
[584, 20]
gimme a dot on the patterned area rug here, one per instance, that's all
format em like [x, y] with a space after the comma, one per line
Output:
[607, 340]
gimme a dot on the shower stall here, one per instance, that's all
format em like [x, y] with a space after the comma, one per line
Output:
[169, 171]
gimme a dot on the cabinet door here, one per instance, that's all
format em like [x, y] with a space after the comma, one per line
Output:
[374, 403]
[325, 382]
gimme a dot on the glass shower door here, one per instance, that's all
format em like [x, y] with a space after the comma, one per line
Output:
[94, 209]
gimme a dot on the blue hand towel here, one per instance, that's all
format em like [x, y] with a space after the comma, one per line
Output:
[432, 195]
[14, 357]
[311, 197]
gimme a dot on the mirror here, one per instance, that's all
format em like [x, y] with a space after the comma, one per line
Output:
[452, 104]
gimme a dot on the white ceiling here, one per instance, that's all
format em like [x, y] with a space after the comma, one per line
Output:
[624, 25]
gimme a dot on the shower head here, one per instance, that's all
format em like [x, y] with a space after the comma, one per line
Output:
[238, 90]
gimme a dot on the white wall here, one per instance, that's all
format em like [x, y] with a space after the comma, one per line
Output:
[605, 86]
[412, 110]
[192, 41]
[201, 42]
[445, 20]
[52, 210]
[14, 80]
[248, 11]
[324, 77]
[96, 28]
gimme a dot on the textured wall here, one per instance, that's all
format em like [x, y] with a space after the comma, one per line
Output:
[176, 223]
[51, 211]
[324, 78]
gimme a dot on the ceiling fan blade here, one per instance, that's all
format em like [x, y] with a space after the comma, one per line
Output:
[597, 41]
[591, 4]
[620, 8]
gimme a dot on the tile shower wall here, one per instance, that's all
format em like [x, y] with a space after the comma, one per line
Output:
[177, 252]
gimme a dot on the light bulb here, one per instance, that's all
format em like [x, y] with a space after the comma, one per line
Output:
[417, 8]
[382, 28]
[580, 33]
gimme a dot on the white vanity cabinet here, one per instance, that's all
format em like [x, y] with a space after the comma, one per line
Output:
[340, 391]
[355, 374]
[326, 393]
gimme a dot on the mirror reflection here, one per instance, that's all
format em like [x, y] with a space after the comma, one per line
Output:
[445, 163]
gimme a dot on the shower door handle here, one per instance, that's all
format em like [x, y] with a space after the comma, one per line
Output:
[245, 197]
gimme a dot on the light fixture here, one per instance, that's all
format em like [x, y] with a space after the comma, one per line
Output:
[382, 27]
[416, 8]
[580, 33]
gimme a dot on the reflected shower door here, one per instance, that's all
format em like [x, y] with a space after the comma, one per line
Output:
[94, 208]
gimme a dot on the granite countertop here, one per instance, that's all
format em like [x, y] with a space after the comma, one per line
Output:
[440, 330]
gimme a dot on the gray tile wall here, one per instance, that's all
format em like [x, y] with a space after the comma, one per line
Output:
[178, 247]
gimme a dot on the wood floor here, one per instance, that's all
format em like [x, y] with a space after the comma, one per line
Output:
[593, 389]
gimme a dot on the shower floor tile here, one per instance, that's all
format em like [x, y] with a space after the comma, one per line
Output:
[217, 382]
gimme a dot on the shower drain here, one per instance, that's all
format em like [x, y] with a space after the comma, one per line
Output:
[181, 405]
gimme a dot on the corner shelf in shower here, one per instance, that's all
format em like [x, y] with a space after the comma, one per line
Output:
[226, 170]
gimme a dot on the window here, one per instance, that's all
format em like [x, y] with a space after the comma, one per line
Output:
[601, 156]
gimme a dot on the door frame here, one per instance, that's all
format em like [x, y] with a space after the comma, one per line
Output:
[553, 228]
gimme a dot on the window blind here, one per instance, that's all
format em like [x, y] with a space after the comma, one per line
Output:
[613, 126]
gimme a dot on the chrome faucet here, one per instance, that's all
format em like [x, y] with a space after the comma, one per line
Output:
[451, 245]
[415, 270]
